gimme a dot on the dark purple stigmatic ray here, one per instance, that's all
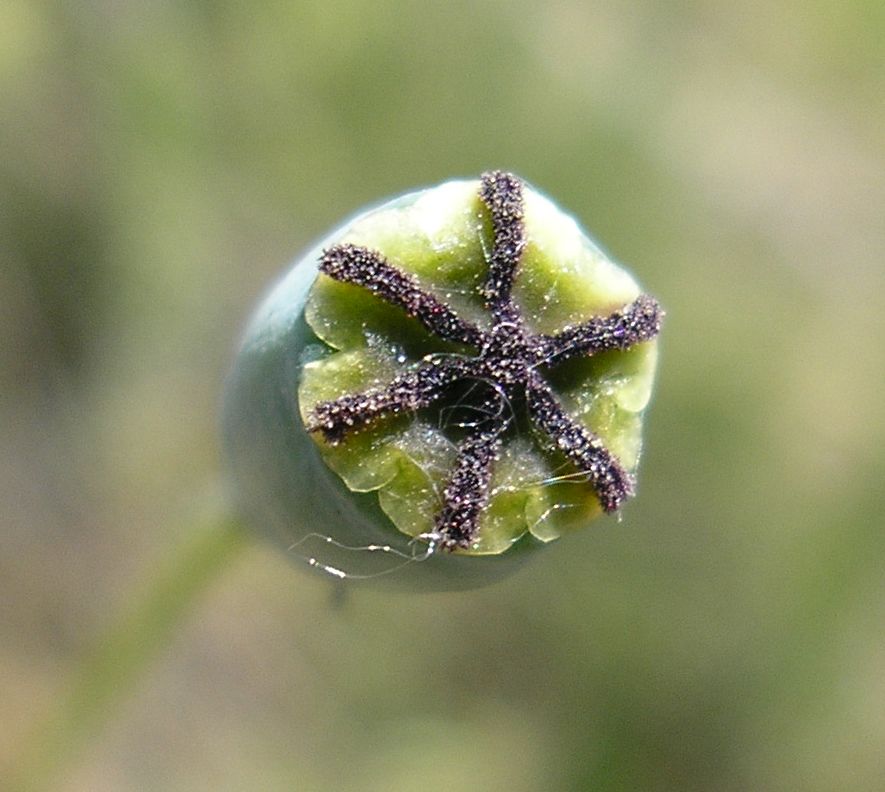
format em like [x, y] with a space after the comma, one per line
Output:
[369, 269]
[507, 361]
[502, 195]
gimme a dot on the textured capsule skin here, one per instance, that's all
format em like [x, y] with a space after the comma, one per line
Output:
[288, 490]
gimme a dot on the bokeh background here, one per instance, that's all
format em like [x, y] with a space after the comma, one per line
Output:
[162, 161]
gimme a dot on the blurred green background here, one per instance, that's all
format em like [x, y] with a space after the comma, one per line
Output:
[162, 161]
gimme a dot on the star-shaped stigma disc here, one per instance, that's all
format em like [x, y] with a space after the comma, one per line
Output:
[509, 362]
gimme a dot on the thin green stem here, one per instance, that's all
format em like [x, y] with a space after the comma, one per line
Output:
[111, 671]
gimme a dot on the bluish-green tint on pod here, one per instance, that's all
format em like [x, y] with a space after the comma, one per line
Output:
[366, 506]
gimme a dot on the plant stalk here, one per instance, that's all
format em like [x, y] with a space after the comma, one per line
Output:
[111, 671]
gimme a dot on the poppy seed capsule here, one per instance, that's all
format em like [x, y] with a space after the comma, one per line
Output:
[446, 383]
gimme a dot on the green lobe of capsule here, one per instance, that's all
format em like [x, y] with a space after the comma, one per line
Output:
[441, 236]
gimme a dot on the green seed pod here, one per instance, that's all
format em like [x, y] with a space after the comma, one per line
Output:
[444, 385]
